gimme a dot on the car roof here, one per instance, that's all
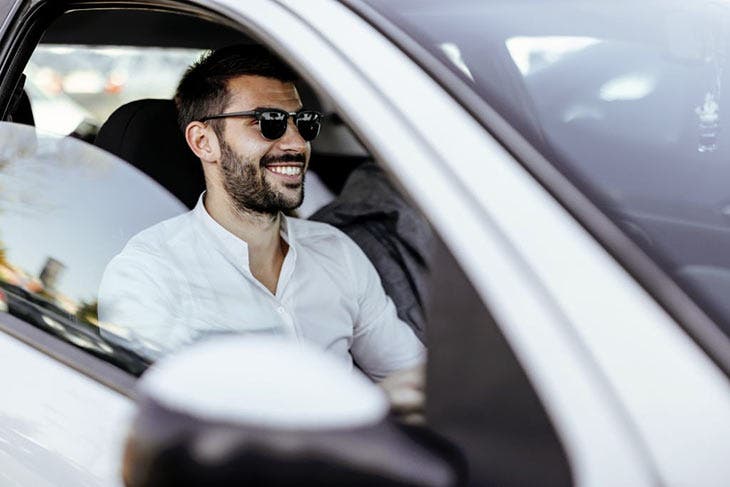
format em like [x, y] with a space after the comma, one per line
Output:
[142, 27]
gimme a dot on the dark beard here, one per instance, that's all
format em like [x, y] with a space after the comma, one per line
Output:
[247, 186]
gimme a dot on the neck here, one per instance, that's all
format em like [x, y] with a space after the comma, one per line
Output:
[260, 231]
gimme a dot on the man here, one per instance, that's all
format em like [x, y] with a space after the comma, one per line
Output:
[235, 263]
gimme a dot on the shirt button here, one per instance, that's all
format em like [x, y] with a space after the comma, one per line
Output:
[280, 309]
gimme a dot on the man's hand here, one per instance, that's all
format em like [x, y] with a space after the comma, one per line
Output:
[405, 390]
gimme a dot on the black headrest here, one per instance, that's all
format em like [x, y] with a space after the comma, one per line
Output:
[145, 133]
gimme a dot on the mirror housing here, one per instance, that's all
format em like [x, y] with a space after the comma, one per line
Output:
[258, 410]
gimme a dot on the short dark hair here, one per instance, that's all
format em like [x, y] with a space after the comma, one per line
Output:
[203, 89]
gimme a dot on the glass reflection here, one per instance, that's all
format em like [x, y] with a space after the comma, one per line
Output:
[633, 86]
[66, 208]
[531, 54]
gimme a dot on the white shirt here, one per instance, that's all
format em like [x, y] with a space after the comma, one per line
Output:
[188, 277]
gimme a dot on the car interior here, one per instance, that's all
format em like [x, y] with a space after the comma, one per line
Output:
[145, 132]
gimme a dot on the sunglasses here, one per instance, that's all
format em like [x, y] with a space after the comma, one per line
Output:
[273, 122]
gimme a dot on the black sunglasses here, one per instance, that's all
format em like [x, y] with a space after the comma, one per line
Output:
[273, 121]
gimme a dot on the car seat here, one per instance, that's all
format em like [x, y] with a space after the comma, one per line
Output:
[146, 134]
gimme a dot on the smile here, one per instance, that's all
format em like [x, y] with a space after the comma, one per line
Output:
[285, 170]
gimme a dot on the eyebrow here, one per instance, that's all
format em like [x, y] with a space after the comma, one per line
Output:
[276, 108]
[249, 113]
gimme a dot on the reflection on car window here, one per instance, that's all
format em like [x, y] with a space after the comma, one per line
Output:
[628, 100]
[66, 209]
[71, 85]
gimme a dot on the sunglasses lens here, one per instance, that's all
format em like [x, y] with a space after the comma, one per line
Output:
[308, 124]
[273, 124]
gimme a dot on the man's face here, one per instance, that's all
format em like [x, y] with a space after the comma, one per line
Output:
[261, 175]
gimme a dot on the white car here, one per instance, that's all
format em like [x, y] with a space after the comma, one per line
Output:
[571, 157]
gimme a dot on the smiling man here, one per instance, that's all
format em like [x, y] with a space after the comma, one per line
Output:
[236, 263]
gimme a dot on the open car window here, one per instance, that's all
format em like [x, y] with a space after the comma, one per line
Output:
[76, 87]
[94, 89]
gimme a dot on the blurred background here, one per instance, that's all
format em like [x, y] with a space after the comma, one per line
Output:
[75, 88]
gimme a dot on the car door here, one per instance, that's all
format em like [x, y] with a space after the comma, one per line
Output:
[66, 396]
[57, 425]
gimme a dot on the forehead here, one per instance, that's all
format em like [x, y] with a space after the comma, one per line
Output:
[249, 92]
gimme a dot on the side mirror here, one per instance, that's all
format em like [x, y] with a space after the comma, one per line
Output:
[263, 411]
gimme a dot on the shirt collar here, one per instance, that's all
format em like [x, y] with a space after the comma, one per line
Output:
[234, 249]
[286, 231]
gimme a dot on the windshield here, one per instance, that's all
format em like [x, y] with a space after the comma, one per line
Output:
[627, 99]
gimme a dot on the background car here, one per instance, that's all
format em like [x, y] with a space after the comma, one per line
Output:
[570, 157]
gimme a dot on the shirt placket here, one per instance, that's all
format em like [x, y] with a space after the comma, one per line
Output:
[288, 320]
[277, 304]
[236, 251]
[281, 299]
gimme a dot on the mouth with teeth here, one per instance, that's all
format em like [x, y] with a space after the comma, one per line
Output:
[288, 171]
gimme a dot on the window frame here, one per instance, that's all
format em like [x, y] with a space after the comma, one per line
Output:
[63, 352]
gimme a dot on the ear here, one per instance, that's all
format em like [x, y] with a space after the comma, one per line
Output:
[203, 141]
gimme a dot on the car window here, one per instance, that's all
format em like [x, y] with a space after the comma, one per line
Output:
[76, 87]
[633, 114]
[66, 209]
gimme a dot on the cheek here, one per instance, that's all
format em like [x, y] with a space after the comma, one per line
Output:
[307, 155]
[251, 149]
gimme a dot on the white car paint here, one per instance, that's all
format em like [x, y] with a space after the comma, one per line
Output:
[57, 427]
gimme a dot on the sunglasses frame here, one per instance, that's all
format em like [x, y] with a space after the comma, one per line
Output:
[257, 114]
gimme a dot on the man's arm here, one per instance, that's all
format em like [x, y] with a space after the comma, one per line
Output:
[135, 297]
[382, 343]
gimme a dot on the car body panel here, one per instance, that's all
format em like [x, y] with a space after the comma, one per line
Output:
[57, 427]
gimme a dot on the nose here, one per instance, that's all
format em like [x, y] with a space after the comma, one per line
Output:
[292, 140]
